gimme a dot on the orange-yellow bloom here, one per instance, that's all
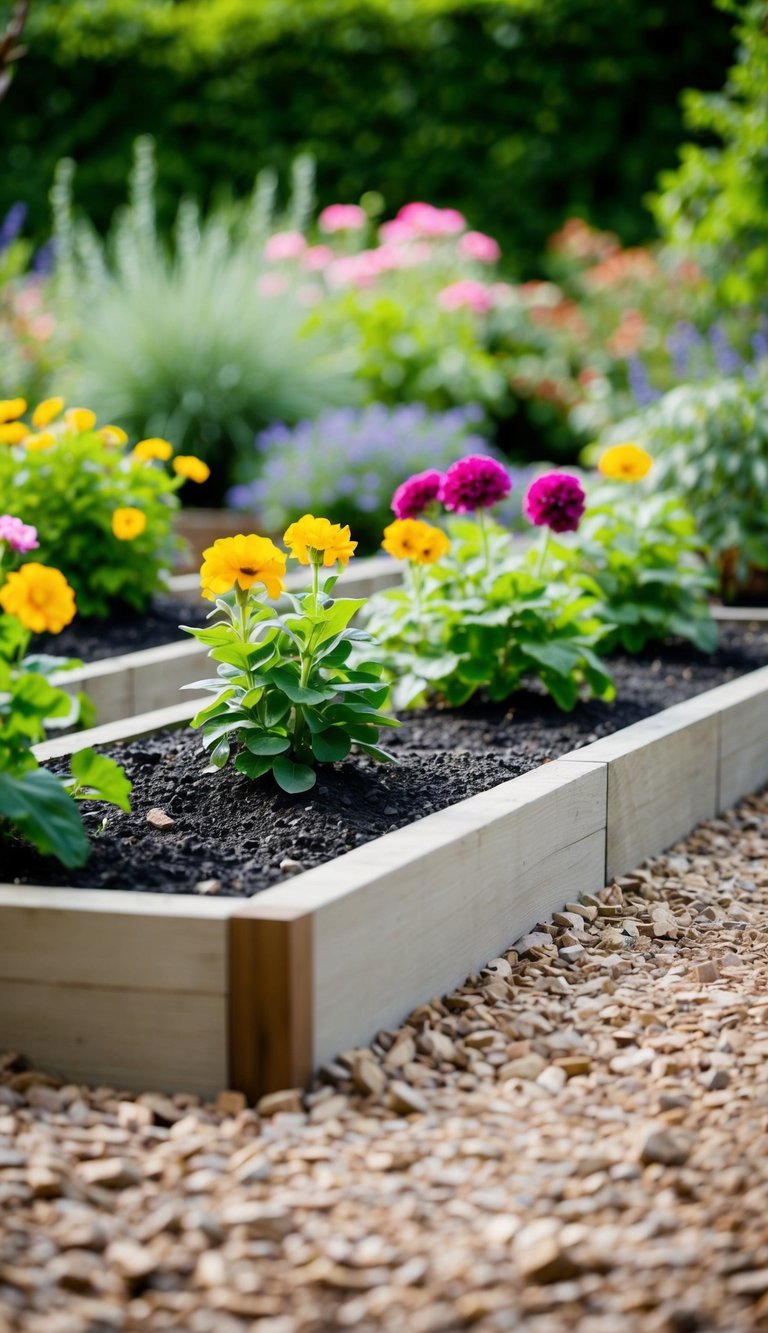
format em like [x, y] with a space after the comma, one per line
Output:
[80, 419]
[128, 523]
[113, 435]
[45, 439]
[625, 462]
[146, 450]
[12, 432]
[413, 539]
[193, 469]
[242, 561]
[39, 597]
[317, 541]
[45, 412]
[11, 408]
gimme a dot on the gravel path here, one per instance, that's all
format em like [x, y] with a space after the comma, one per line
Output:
[573, 1140]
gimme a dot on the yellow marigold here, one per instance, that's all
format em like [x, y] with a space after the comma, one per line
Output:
[11, 408]
[318, 541]
[39, 597]
[242, 561]
[80, 419]
[113, 435]
[128, 523]
[13, 432]
[45, 412]
[413, 539]
[146, 450]
[625, 462]
[45, 439]
[194, 469]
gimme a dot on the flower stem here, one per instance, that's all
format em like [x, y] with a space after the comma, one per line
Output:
[543, 555]
[484, 539]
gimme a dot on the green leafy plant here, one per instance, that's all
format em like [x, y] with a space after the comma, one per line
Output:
[710, 445]
[479, 618]
[36, 804]
[104, 513]
[640, 556]
[285, 697]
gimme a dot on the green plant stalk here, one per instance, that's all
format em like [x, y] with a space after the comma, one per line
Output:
[307, 661]
[484, 540]
[543, 554]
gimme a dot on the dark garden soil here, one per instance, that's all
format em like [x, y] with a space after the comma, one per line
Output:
[125, 632]
[236, 833]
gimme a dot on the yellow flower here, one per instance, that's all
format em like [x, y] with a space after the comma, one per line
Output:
[13, 432]
[312, 538]
[146, 450]
[80, 419]
[39, 597]
[113, 435]
[625, 462]
[194, 469]
[45, 412]
[11, 408]
[128, 523]
[44, 440]
[413, 539]
[242, 561]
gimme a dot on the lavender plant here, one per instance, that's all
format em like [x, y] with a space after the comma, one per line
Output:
[347, 463]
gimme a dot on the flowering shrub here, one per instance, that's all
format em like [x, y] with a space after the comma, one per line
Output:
[710, 443]
[34, 803]
[285, 697]
[474, 615]
[103, 511]
[347, 463]
[30, 347]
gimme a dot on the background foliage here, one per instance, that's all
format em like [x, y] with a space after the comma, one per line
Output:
[515, 111]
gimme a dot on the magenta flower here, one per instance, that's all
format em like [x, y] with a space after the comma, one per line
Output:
[416, 494]
[474, 482]
[285, 245]
[317, 257]
[426, 220]
[476, 245]
[21, 537]
[555, 501]
[466, 294]
[342, 217]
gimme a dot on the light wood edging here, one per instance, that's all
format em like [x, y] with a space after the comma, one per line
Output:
[256, 993]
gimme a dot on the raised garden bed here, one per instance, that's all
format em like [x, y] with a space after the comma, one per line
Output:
[183, 990]
[122, 678]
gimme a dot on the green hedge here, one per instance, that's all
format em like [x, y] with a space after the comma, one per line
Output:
[516, 111]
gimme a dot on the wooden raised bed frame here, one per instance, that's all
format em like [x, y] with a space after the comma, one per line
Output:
[144, 990]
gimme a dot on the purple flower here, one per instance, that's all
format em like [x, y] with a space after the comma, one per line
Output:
[19, 536]
[416, 494]
[12, 224]
[474, 482]
[555, 501]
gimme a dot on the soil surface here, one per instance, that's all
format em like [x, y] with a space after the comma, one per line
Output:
[232, 836]
[126, 632]
[566, 1143]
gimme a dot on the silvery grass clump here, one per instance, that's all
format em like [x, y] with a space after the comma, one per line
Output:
[188, 340]
[347, 463]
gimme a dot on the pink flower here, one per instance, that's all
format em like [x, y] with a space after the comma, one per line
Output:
[285, 245]
[555, 501]
[396, 231]
[317, 257]
[342, 217]
[474, 482]
[416, 494]
[19, 536]
[360, 270]
[272, 284]
[466, 294]
[476, 245]
[426, 220]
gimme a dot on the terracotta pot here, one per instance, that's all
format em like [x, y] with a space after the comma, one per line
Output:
[201, 527]
[735, 588]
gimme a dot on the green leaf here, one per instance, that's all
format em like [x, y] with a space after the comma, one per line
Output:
[219, 756]
[375, 753]
[253, 765]
[337, 616]
[293, 777]
[287, 681]
[216, 708]
[100, 779]
[276, 707]
[40, 808]
[265, 742]
[330, 746]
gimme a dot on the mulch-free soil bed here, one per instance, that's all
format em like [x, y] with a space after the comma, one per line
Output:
[237, 832]
[126, 631]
